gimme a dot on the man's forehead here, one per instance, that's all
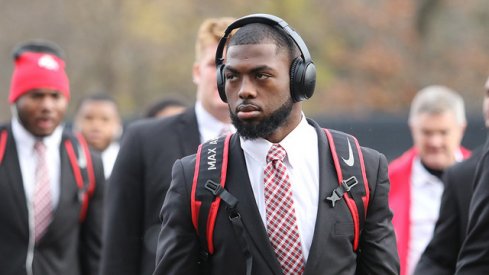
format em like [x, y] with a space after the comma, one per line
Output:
[245, 51]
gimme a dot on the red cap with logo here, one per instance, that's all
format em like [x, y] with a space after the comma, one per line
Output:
[34, 70]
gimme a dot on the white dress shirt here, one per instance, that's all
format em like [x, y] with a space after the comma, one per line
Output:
[302, 163]
[109, 155]
[426, 192]
[209, 126]
[24, 142]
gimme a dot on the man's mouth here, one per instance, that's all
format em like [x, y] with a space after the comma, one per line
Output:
[247, 111]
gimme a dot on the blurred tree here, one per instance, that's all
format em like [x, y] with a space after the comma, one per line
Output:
[371, 55]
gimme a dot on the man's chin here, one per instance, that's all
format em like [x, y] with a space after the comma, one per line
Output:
[437, 164]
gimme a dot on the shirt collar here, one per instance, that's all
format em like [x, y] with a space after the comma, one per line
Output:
[423, 176]
[258, 148]
[209, 126]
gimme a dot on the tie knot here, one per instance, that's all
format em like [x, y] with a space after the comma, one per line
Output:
[39, 146]
[277, 152]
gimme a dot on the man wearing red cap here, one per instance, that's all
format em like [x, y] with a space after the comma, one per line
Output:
[50, 184]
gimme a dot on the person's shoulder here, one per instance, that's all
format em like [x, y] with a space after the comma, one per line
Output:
[371, 152]
[148, 124]
[469, 163]
[372, 158]
[152, 125]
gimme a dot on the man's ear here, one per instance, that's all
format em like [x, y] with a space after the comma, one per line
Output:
[196, 73]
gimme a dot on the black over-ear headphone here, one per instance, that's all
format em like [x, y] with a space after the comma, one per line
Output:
[302, 69]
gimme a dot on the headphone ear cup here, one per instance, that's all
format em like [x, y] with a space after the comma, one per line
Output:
[221, 82]
[302, 79]
[295, 76]
[309, 80]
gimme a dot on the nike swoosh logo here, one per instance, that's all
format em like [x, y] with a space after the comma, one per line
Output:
[350, 160]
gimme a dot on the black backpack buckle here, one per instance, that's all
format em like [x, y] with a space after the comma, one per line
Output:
[338, 192]
[213, 187]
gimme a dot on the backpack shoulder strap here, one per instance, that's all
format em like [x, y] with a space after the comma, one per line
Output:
[82, 165]
[207, 192]
[352, 179]
[209, 179]
[3, 142]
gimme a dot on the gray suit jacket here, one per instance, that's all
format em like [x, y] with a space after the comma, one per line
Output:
[68, 246]
[137, 188]
[332, 248]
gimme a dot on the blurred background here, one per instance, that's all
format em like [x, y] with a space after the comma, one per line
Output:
[371, 55]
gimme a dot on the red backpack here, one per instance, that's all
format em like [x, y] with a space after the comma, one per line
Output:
[208, 189]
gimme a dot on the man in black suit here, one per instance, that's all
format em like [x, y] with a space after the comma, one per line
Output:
[46, 227]
[142, 172]
[264, 101]
[474, 253]
[440, 256]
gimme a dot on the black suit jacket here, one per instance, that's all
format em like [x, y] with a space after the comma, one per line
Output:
[68, 247]
[474, 254]
[440, 256]
[331, 251]
[137, 188]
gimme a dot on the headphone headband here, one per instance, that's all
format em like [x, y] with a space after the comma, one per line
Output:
[267, 19]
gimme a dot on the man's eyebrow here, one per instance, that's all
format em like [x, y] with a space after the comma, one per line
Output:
[254, 70]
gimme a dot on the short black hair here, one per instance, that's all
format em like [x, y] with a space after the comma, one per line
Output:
[38, 46]
[257, 33]
[101, 96]
[154, 109]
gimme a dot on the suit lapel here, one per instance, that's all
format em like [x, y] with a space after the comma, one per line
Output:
[188, 132]
[14, 180]
[238, 184]
[67, 185]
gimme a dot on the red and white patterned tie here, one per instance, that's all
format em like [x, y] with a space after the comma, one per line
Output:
[42, 193]
[281, 220]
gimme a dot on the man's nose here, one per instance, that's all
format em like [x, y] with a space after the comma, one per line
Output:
[247, 88]
[48, 102]
[436, 140]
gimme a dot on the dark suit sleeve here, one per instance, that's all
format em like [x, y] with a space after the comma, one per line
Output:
[123, 219]
[91, 229]
[178, 245]
[441, 253]
[377, 251]
[474, 254]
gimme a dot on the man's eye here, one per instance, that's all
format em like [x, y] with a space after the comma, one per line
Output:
[261, 76]
[229, 76]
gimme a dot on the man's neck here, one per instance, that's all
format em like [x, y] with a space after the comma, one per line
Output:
[435, 172]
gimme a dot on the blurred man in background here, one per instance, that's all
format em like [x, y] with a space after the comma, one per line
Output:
[437, 123]
[142, 172]
[97, 118]
[50, 215]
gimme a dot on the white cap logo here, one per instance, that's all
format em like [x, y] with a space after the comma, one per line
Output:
[48, 62]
